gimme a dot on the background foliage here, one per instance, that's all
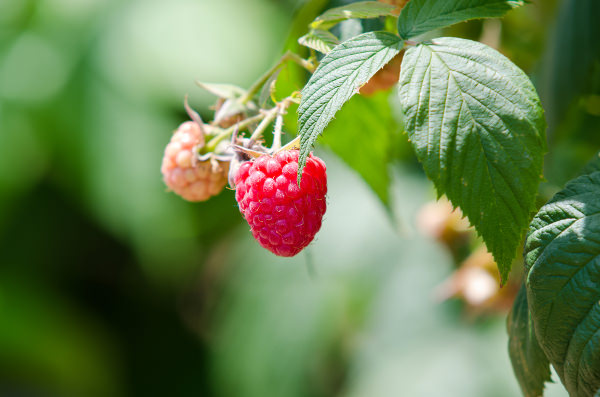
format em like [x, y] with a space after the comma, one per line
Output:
[111, 287]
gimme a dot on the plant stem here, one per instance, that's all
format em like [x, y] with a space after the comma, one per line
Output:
[288, 56]
[265, 117]
[269, 117]
[212, 144]
[306, 64]
[278, 129]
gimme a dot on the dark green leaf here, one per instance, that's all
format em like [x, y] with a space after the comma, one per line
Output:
[363, 134]
[363, 9]
[319, 40]
[338, 77]
[422, 16]
[529, 362]
[477, 126]
[562, 255]
[592, 166]
[572, 51]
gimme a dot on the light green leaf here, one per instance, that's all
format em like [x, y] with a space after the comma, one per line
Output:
[529, 362]
[363, 9]
[267, 93]
[227, 91]
[369, 154]
[422, 16]
[338, 77]
[562, 255]
[319, 40]
[477, 126]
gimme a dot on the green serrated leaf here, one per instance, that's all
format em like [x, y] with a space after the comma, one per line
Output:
[319, 40]
[369, 154]
[562, 258]
[592, 166]
[226, 91]
[363, 9]
[476, 123]
[422, 16]
[338, 77]
[529, 362]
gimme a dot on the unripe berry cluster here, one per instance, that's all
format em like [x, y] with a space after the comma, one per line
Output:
[184, 173]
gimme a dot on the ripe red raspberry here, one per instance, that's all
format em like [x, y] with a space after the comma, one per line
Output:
[283, 217]
[193, 180]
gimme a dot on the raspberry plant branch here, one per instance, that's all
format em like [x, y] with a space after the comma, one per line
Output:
[477, 126]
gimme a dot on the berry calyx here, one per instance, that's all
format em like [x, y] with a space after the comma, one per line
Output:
[283, 217]
[224, 118]
[184, 173]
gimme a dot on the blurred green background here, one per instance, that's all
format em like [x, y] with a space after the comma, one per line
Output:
[110, 286]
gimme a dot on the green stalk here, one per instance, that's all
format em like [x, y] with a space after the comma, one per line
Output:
[288, 56]
[212, 144]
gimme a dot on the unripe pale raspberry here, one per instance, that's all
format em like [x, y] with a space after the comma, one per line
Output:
[283, 217]
[191, 179]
